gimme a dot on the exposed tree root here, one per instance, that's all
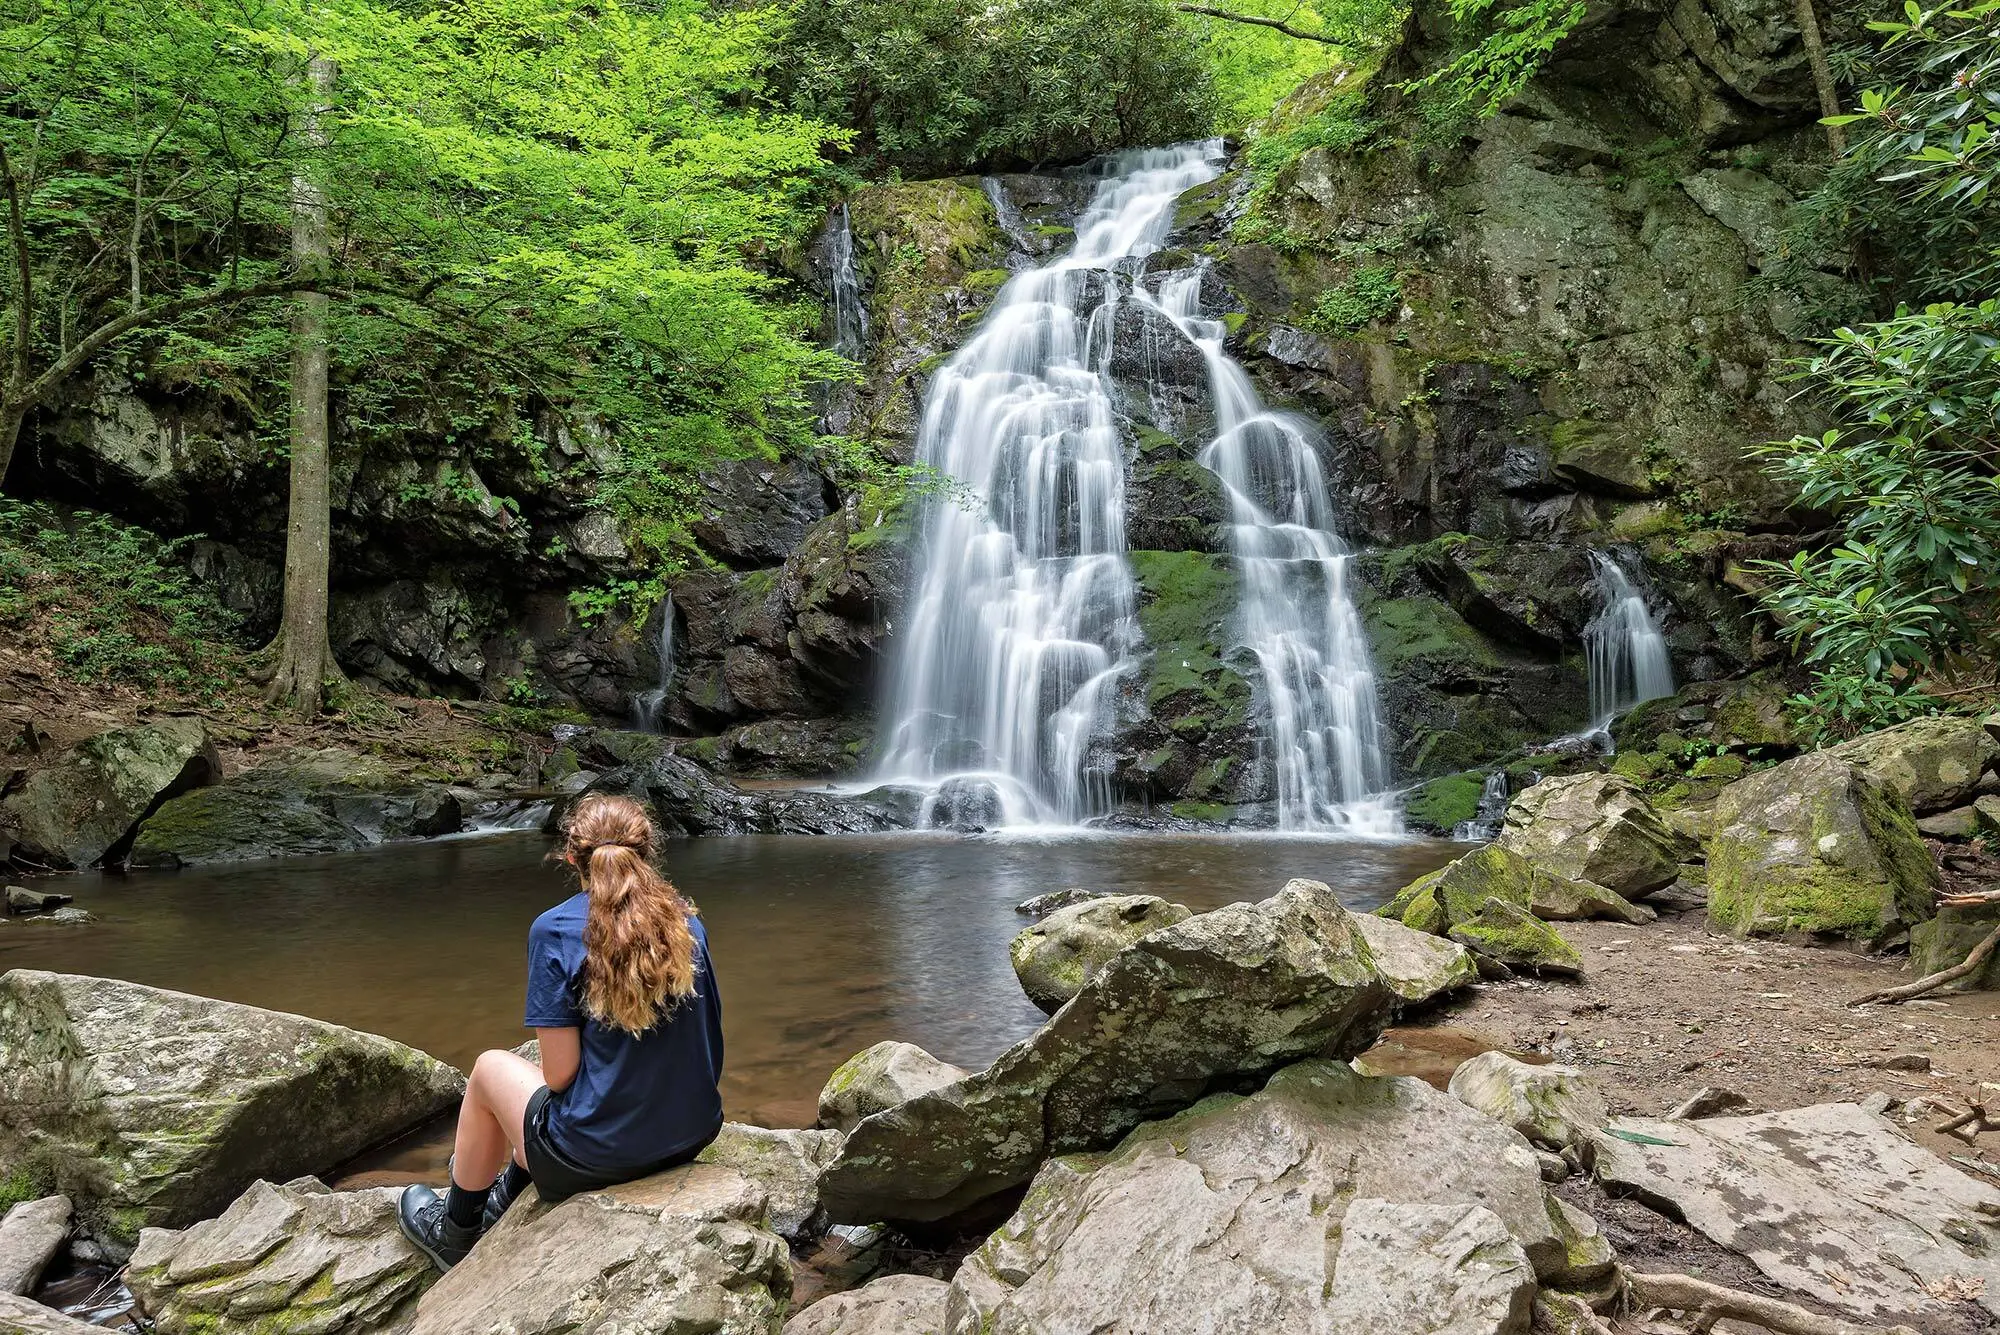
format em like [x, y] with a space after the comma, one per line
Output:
[1932, 982]
[1712, 1302]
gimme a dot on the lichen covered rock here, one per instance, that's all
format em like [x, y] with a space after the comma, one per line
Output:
[1058, 955]
[1821, 846]
[82, 808]
[1289, 978]
[283, 1258]
[1348, 1204]
[1497, 903]
[1595, 827]
[1932, 763]
[1552, 1106]
[785, 1165]
[891, 1305]
[881, 1077]
[155, 1108]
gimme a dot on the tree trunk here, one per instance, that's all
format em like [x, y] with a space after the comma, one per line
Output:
[11, 418]
[1829, 97]
[302, 660]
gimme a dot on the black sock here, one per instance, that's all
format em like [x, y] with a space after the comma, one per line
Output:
[463, 1207]
[515, 1181]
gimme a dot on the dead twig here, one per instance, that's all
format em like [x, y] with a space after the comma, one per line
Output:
[1931, 982]
[1685, 1293]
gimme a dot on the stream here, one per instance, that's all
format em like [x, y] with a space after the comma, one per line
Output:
[822, 946]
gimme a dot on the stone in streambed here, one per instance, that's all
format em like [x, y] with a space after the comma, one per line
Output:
[1552, 1106]
[29, 1237]
[881, 1077]
[283, 1258]
[1222, 997]
[1040, 906]
[685, 1250]
[1932, 763]
[1058, 955]
[20, 899]
[25, 1316]
[1817, 845]
[892, 1305]
[1328, 1201]
[150, 1107]
[1598, 828]
[1829, 1201]
[85, 805]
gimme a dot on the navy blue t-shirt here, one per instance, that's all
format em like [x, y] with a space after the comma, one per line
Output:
[637, 1098]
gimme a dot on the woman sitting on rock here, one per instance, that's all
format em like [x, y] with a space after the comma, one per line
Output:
[621, 994]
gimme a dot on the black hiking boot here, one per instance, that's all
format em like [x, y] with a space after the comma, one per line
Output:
[498, 1198]
[421, 1216]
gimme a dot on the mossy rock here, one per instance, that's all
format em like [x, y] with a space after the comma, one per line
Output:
[1510, 935]
[1445, 803]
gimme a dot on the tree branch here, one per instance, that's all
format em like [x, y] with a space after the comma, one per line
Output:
[1283, 27]
[1933, 981]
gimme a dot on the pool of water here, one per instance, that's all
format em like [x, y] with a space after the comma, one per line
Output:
[822, 946]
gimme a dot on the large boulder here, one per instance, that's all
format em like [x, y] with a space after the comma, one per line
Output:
[283, 1258]
[84, 806]
[1829, 1201]
[1269, 983]
[1497, 871]
[1328, 1201]
[1058, 955]
[149, 1107]
[1821, 846]
[306, 801]
[785, 1165]
[1598, 828]
[1550, 1105]
[892, 1305]
[1418, 967]
[30, 1236]
[881, 1077]
[1933, 763]
[685, 1250]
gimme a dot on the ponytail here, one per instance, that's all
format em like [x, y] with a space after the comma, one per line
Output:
[638, 948]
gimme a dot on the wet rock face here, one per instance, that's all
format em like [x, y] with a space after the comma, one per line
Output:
[687, 801]
[83, 808]
[1284, 979]
[756, 511]
[154, 1108]
[1350, 1203]
[1817, 845]
[326, 801]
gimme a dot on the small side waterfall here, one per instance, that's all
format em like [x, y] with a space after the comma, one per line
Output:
[1325, 736]
[1488, 815]
[850, 313]
[1628, 654]
[649, 708]
[1023, 615]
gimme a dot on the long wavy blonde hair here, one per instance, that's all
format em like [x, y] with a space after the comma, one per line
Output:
[639, 951]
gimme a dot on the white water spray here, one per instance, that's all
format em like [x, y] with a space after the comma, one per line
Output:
[649, 708]
[1325, 731]
[1489, 815]
[1023, 617]
[1627, 652]
[850, 313]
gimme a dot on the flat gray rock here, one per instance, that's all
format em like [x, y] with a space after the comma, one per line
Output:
[292, 1258]
[1829, 1201]
[151, 1108]
[892, 1305]
[1328, 1203]
[1222, 996]
[29, 1237]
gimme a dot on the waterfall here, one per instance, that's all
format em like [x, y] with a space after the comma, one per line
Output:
[850, 313]
[1628, 655]
[1023, 615]
[649, 708]
[1488, 815]
[1325, 735]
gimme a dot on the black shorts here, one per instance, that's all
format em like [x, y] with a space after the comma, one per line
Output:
[558, 1177]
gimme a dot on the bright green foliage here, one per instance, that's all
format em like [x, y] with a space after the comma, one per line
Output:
[937, 86]
[1255, 67]
[109, 602]
[1503, 48]
[1368, 295]
[542, 203]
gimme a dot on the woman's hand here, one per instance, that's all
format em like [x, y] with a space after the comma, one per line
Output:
[562, 1054]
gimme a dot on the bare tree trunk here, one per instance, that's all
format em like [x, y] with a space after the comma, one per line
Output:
[1829, 97]
[302, 660]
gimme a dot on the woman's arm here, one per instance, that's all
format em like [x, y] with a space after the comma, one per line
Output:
[562, 1054]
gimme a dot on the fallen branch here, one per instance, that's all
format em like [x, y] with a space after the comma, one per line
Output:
[1684, 1293]
[1283, 27]
[1566, 1314]
[1966, 1125]
[1932, 982]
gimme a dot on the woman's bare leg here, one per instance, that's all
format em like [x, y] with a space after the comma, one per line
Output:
[491, 1119]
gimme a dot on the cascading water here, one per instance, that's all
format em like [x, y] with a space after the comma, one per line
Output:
[649, 708]
[1325, 732]
[1488, 815]
[1024, 611]
[1627, 652]
[850, 313]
